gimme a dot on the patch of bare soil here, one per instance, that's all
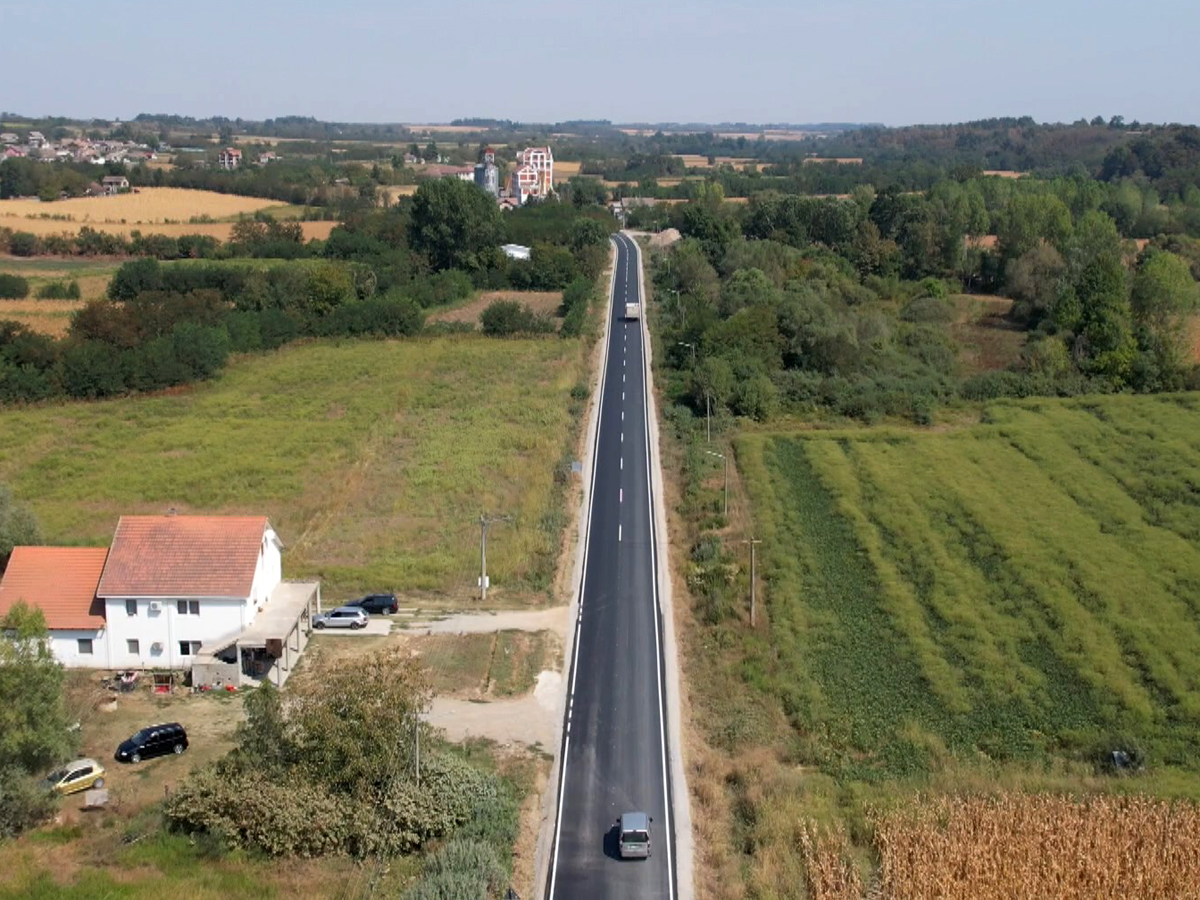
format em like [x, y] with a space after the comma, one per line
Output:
[544, 302]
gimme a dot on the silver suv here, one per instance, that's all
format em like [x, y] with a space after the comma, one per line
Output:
[342, 617]
[633, 835]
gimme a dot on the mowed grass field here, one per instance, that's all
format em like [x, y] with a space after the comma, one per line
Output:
[956, 612]
[373, 460]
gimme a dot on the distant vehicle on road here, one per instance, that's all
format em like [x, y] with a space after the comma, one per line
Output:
[342, 617]
[632, 310]
[157, 740]
[377, 603]
[633, 835]
[79, 775]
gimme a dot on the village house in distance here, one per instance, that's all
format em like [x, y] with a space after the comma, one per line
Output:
[203, 594]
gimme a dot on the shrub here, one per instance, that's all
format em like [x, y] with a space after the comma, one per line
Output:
[510, 317]
[91, 369]
[23, 803]
[380, 316]
[461, 870]
[59, 290]
[13, 287]
[22, 243]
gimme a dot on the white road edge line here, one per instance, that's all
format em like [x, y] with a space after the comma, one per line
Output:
[562, 772]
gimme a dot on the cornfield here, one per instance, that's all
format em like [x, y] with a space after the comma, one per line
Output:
[1020, 845]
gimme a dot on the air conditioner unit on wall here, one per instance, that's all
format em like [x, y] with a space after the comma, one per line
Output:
[155, 606]
[156, 647]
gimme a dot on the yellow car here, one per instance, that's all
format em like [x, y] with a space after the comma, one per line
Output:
[75, 776]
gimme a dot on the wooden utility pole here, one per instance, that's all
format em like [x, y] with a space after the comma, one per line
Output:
[753, 575]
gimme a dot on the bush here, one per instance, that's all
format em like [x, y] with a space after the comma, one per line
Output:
[13, 287]
[91, 369]
[380, 316]
[510, 317]
[23, 803]
[461, 870]
[59, 290]
[22, 243]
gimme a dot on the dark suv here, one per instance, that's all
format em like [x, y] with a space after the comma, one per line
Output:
[376, 603]
[157, 740]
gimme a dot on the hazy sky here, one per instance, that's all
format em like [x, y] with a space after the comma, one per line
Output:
[891, 61]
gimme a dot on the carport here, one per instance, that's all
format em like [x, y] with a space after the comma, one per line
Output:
[269, 647]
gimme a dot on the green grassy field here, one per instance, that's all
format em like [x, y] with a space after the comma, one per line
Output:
[372, 459]
[1024, 589]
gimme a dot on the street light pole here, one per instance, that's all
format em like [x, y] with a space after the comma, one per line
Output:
[753, 575]
[707, 417]
[725, 460]
[693, 346]
[484, 522]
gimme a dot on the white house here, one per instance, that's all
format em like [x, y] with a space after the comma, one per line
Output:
[61, 581]
[165, 588]
[515, 251]
[172, 583]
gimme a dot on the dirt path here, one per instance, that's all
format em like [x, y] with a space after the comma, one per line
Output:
[553, 619]
[525, 720]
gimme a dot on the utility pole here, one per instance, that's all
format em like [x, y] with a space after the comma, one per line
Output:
[708, 416]
[417, 729]
[693, 346]
[753, 574]
[484, 522]
[725, 460]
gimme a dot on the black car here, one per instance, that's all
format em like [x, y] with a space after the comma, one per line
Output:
[376, 603]
[157, 740]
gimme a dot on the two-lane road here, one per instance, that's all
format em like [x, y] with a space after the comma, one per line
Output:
[614, 757]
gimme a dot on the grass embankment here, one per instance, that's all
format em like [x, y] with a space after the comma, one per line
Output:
[373, 460]
[996, 607]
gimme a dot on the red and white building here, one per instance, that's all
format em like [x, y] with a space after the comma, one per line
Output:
[229, 159]
[534, 176]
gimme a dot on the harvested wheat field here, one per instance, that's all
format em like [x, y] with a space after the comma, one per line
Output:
[544, 302]
[51, 317]
[396, 191]
[1004, 173]
[841, 160]
[147, 206]
[565, 170]
[218, 230]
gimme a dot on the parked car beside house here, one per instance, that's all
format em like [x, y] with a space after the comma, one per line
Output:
[342, 617]
[377, 604]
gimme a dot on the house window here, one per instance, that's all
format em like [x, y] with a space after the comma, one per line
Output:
[188, 607]
[85, 646]
[131, 607]
[189, 648]
[132, 646]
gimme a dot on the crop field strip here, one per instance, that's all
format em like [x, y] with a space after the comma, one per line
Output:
[1026, 587]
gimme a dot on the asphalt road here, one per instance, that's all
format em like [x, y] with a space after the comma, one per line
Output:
[613, 755]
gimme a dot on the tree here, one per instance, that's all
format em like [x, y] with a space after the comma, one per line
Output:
[454, 224]
[1104, 345]
[1035, 280]
[33, 711]
[1163, 298]
[18, 526]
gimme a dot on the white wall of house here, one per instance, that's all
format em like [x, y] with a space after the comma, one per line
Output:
[159, 628]
[64, 644]
[269, 571]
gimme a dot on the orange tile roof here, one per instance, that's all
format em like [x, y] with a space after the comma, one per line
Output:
[60, 581]
[183, 556]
